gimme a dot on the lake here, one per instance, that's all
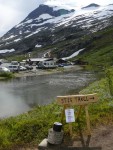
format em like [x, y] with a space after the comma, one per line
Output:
[21, 94]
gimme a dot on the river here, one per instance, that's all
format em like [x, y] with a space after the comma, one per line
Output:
[21, 94]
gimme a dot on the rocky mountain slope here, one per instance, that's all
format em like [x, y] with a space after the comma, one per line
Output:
[62, 30]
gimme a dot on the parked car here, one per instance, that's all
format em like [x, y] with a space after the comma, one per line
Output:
[22, 68]
[60, 65]
[14, 63]
[4, 69]
[13, 68]
[28, 67]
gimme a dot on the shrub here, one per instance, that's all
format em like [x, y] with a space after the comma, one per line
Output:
[7, 75]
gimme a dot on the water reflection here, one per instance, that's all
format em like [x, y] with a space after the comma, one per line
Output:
[19, 95]
[10, 104]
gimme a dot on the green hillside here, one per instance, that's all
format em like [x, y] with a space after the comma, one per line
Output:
[98, 46]
[100, 50]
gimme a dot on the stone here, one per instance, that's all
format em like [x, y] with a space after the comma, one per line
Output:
[43, 144]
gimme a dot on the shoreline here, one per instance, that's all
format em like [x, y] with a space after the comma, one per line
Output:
[37, 72]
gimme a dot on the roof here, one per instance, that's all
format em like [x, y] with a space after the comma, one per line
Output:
[38, 59]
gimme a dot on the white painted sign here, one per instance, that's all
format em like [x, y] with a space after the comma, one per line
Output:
[70, 117]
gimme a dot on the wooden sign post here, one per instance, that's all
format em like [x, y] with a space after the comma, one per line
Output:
[80, 100]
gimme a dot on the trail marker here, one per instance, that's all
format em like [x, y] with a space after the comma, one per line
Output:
[80, 100]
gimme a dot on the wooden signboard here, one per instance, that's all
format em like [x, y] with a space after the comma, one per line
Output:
[81, 100]
[77, 99]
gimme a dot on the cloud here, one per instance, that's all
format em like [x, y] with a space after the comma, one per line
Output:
[14, 11]
[80, 2]
[7, 16]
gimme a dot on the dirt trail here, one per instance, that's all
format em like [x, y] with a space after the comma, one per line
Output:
[101, 139]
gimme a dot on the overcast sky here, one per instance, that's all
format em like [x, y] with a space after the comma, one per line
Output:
[14, 11]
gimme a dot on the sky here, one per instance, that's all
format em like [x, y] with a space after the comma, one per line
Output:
[13, 12]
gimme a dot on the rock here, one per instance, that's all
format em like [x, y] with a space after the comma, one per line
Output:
[43, 144]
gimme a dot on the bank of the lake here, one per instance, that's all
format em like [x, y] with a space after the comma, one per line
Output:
[21, 94]
[6, 75]
[31, 127]
[37, 72]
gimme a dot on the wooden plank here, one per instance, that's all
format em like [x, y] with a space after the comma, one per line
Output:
[77, 99]
[88, 120]
[63, 113]
[70, 129]
[78, 113]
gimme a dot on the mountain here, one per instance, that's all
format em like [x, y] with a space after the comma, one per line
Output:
[41, 20]
[93, 5]
[61, 30]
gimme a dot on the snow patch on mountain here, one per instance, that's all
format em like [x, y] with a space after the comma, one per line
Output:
[33, 33]
[45, 16]
[89, 15]
[12, 36]
[20, 32]
[27, 31]
[37, 46]
[6, 50]
[29, 21]
[17, 40]
[73, 55]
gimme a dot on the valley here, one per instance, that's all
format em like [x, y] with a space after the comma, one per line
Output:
[84, 37]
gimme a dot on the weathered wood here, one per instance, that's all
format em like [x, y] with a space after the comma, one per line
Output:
[80, 100]
[88, 120]
[70, 129]
[79, 112]
[63, 112]
[77, 99]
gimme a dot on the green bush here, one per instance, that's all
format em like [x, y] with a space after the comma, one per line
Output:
[7, 75]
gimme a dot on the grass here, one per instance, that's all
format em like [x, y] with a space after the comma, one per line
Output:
[31, 127]
[99, 51]
[102, 111]
[6, 75]
[103, 56]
